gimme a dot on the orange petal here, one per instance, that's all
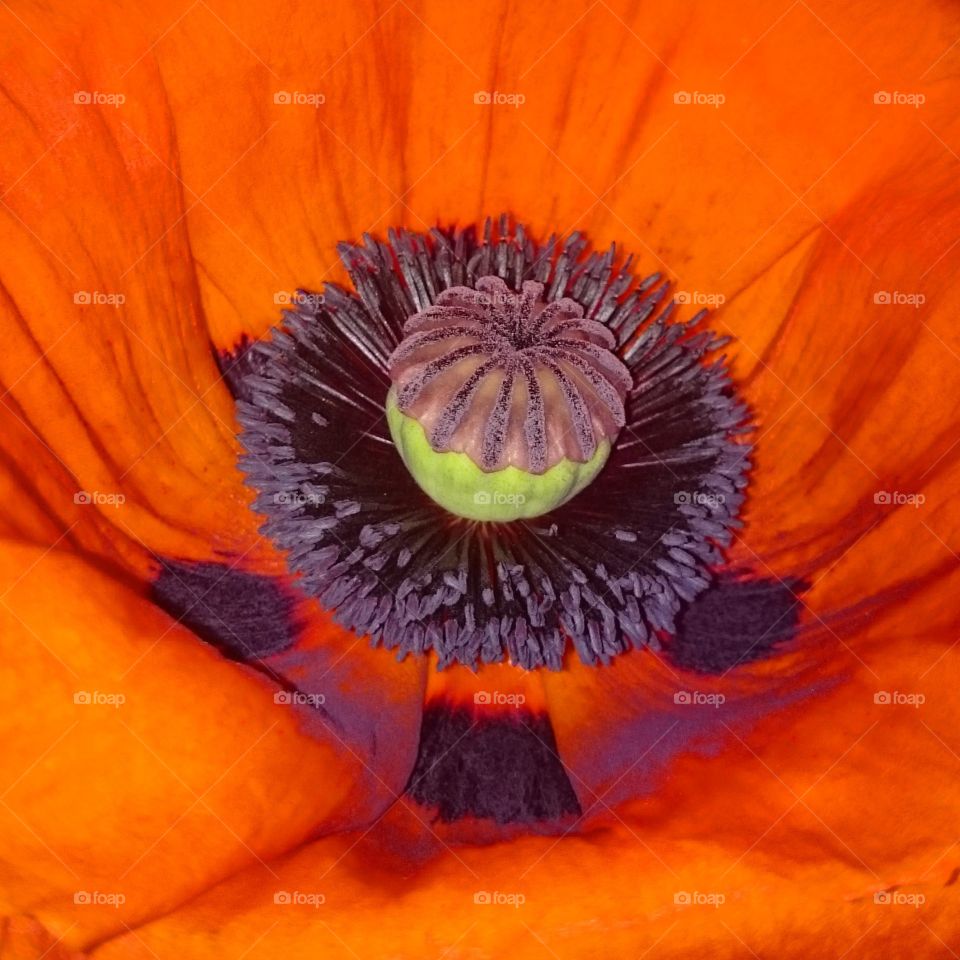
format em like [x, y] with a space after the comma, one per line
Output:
[606, 149]
[137, 763]
[856, 399]
[106, 370]
[796, 762]
[23, 938]
[804, 836]
[622, 891]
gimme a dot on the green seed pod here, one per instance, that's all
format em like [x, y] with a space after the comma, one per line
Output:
[503, 407]
[455, 482]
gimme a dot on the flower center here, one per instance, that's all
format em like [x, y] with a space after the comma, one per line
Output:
[504, 406]
[544, 385]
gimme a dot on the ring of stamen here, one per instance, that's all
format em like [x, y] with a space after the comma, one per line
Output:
[604, 572]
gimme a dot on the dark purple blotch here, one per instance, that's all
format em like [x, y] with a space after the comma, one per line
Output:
[735, 621]
[246, 616]
[503, 768]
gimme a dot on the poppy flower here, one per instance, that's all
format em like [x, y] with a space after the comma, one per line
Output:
[265, 695]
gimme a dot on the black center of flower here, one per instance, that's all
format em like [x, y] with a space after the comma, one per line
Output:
[609, 569]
